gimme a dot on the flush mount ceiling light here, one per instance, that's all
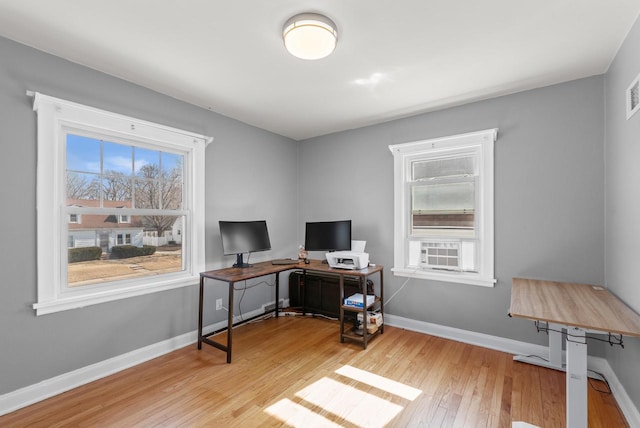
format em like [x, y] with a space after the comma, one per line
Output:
[310, 36]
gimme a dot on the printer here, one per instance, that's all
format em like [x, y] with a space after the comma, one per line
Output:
[348, 260]
[354, 259]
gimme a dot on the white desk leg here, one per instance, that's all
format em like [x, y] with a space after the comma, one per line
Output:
[576, 378]
[555, 346]
[555, 350]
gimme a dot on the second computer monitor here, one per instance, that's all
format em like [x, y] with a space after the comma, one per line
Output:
[328, 235]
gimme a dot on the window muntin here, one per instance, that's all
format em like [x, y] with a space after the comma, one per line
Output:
[101, 165]
[444, 208]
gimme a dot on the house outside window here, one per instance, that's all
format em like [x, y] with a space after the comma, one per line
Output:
[443, 219]
[124, 239]
[122, 176]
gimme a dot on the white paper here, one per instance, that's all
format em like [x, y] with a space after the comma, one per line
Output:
[358, 246]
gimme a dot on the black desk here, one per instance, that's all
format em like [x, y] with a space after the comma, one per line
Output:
[232, 275]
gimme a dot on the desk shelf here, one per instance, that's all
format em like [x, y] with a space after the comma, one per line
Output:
[348, 324]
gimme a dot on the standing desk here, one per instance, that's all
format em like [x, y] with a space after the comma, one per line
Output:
[232, 275]
[578, 308]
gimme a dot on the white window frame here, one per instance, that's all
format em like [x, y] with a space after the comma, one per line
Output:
[56, 118]
[406, 153]
[124, 218]
[122, 238]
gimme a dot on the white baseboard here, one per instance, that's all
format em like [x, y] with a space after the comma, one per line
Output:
[31, 394]
[628, 408]
[26, 396]
[515, 347]
[486, 341]
[48, 388]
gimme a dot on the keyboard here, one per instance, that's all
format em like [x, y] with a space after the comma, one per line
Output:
[285, 262]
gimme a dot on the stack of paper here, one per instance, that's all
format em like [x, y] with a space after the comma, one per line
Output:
[356, 300]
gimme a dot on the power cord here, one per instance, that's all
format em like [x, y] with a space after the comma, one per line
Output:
[591, 384]
[612, 339]
[397, 291]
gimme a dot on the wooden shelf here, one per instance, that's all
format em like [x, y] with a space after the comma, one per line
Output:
[355, 309]
[377, 304]
[351, 335]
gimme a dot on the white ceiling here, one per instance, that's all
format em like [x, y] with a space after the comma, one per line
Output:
[394, 58]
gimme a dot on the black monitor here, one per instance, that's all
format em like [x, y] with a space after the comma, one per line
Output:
[239, 237]
[328, 236]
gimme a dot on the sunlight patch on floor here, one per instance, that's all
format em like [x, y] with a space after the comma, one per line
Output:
[349, 403]
[380, 382]
[361, 407]
[296, 415]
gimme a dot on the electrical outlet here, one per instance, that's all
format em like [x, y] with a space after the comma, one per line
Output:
[218, 304]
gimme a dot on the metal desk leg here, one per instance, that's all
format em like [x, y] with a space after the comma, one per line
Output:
[555, 350]
[363, 290]
[555, 346]
[200, 312]
[577, 415]
[277, 294]
[230, 323]
[381, 302]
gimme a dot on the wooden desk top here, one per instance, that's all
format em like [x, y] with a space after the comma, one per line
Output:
[579, 305]
[319, 266]
[232, 274]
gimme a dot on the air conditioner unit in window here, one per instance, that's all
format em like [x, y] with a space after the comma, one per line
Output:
[455, 255]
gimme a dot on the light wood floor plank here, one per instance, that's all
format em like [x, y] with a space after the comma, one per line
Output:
[284, 373]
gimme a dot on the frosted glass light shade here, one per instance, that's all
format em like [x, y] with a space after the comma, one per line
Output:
[310, 36]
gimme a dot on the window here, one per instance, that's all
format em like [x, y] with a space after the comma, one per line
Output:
[122, 177]
[124, 239]
[444, 208]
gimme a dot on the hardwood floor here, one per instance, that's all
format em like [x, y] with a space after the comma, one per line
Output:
[293, 371]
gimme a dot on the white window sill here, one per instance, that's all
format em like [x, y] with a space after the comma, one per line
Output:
[457, 277]
[74, 301]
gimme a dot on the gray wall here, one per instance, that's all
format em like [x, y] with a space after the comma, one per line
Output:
[549, 216]
[622, 206]
[549, 192]
[250, 174]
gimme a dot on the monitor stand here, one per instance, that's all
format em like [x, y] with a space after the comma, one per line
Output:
[240, 263]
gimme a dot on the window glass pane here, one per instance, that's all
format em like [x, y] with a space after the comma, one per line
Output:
[96, 253]
[441, 168]
[172, 194]
[459, 196]
[147, 194]
[82, 154]
[171, 163]
[147, 163]
[117, 159]
[82, 187]
[443, 206]
[171, 185]
[117, 187]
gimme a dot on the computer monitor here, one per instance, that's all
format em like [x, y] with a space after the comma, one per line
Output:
[239, 237]
[328, 235]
